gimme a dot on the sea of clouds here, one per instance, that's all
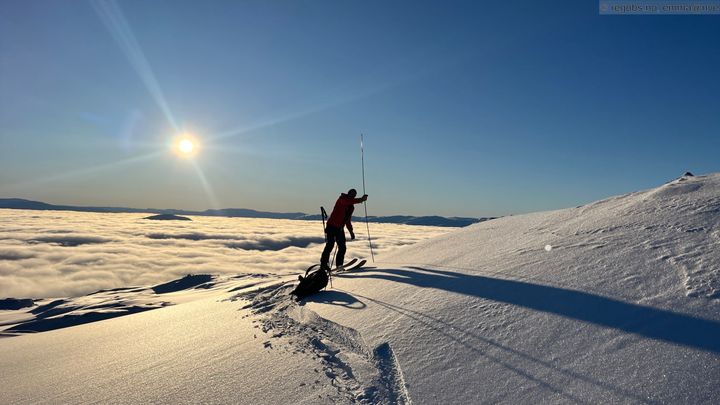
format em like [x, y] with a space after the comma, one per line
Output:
[62, 254]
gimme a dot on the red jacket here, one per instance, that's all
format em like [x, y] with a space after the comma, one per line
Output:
[342, 213]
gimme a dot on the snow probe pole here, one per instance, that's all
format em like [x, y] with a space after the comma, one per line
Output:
[362, 158]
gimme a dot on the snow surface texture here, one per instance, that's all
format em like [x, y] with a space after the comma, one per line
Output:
[611, 302]
[60, 253]
[361, 374]
[50, 314]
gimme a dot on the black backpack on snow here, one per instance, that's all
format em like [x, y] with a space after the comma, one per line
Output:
[315, 279]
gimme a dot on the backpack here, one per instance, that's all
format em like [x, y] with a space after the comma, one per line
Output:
[315, 279]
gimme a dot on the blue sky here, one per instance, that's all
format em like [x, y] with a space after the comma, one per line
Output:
[468, 108]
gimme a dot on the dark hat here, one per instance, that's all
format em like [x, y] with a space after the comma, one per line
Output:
[352, 192]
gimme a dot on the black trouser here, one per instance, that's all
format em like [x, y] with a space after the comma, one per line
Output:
[334, 235]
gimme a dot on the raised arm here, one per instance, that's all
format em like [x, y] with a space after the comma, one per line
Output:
[349, 201]
[359, 200]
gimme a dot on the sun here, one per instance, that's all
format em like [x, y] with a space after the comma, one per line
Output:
[185, 146]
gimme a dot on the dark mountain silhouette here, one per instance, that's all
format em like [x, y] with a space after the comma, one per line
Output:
[248, 213]
[411, 220]
[18, 203]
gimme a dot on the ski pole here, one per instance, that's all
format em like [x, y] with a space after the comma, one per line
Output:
[330, 266]
[367, 225]
[324, 215]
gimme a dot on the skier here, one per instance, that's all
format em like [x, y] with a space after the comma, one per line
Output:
[335, 230]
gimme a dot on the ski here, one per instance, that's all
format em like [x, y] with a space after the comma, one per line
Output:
[348, 264]
[353, 266]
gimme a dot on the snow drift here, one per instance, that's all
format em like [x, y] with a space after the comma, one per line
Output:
[616, 301]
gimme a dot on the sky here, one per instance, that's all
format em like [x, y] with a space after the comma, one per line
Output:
[467, 108]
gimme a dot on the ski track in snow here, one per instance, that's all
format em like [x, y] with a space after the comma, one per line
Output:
[360, 374]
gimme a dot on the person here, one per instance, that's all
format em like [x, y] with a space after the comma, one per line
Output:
[335, 230]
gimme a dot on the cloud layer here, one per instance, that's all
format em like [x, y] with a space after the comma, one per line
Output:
[59, 254]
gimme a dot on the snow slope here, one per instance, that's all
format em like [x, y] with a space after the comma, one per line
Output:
[612, 302]
[622, 308]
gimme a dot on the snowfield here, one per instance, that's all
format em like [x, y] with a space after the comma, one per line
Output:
[617, 301]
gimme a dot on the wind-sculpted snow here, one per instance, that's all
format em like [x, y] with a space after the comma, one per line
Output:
[30, 316]
[62, 253]
[677, 223]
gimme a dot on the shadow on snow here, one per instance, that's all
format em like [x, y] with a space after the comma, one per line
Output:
[335, 297]
[645, 321]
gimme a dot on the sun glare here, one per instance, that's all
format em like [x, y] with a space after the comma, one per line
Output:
[185, 146]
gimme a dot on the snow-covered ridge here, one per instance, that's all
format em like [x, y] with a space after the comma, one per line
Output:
[677, 223]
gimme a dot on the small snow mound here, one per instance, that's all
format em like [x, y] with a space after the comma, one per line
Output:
[677, 188]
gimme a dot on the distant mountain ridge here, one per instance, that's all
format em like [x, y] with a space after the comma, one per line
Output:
[19, 203]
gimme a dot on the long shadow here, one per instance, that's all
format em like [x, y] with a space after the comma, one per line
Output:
[645, 321]
[187, 282]
[42, 324]
[336, 297]
[471, 341]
